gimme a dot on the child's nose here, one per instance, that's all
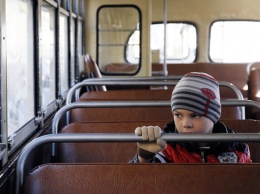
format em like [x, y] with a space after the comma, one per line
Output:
[187, 123]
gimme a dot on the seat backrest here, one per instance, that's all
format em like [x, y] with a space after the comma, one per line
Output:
[253, 90]
[121, 114]
[228, 113]
[140, 94]
[143, 178]
[137, 114]
[247, 126]
[101, 152]
[93, 70]
[116, 151]
[221, 71]
[121, 68]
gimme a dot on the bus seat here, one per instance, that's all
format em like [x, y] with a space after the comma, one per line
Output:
[93, 70]
[100, 152]
[221, 71]
[121, 114]
[247, 126]
[254, 90]
[114, 95]
[143, 178]
[116, 151]
[121, 68]
[127, 95]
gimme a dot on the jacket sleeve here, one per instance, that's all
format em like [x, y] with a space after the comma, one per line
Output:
[159, 158]
[244, 157]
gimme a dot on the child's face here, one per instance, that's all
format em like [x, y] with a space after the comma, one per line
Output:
[190, 122]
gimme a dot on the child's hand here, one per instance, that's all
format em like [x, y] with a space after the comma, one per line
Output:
[152, 134]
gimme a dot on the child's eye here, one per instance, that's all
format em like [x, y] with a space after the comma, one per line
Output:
[177, 115]
[196, 116]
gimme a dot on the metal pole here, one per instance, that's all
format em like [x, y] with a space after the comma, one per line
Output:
[165, 71]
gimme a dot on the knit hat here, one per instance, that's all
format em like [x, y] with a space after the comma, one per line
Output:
[198, 92]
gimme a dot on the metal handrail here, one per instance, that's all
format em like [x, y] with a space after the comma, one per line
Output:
[106, 104]
[111, 104]
[149, 81]
[122, 137]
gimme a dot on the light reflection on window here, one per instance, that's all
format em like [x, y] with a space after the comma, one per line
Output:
[48, 55]
[235, 41]
[64, 53]
[20, 82]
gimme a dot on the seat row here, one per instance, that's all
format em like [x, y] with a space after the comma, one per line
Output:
[93, 147]
[129, 178]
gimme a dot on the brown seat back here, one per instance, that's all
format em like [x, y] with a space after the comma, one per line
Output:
[116, 151]
[247, 126]
[121, 114]
[143, 178]
[93, 71]
[253, 90]
[228, 113]
[221, 71]
[100, 152]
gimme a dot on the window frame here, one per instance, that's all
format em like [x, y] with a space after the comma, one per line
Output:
[124, 50]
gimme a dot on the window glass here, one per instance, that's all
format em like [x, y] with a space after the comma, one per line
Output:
[181, 42]
[75, 6]
[115, 26]
[235, 41]
[81, 66]
[81, 8]
[80, 40]
[48, 54]
[64, 4]
[64, 53]
[20, 82]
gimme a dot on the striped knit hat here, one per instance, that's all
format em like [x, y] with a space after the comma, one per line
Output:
[198, 92]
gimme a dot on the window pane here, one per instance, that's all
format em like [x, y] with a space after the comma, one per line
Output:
[64, 53]
[133, 48]
[20, 83]
[235, 41]
[181, 42]
[115, 26]
[48, 54]
[81, 66]
[80, 34]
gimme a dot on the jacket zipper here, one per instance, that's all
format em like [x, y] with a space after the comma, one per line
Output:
[202, 154]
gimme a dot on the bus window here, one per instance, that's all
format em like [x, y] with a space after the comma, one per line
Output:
[115, 25]
[48, 54]
[80, 38]
[64, 53]
[20, 64]
[235, 41]
[181, 43]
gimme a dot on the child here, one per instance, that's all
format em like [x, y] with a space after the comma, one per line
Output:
[196, 108]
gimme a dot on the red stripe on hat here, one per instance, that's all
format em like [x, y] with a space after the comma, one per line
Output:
[206, 107]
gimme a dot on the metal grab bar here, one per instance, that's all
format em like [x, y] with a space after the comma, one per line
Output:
[130, 78]
[122, 137]
[66, 108]
[105, 104]
[136, 82]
